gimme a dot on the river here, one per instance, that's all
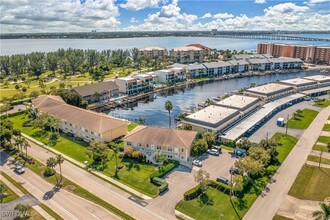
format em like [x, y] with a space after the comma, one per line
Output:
[156, 115]
[20, 46]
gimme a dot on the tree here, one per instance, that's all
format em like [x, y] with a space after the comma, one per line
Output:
[72, 98]
[200, 177]
[23, 211]
[115, 148]
[36, 63]
[169, 107]
[324, 214]
[98, 151]
[26, 146]
[21, 143]
[245, 144]
[249, 166]
[60, 160]
[209, 138]
[209, 102]
[237, 183]
[5, 64]
[161, 158]
[51, 163]
[41, 121]
[6, 132]
[34, 94]
[259, 154]
[3, 188]
[52, 61]
[199, 147]
[129, 151]
[140, 120]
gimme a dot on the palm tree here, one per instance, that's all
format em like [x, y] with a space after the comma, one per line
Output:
[51, 162]
[208, 102]
[140, 120]
[169, 107]
[60, 160]
[115, 150]
[21, 143]
[324, 214]
[26, 146]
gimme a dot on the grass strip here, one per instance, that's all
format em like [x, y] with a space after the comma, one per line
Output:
[50, 212]
[15, 183]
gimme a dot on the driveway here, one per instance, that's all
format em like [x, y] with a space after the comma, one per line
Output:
[271, 128]
[182, 179]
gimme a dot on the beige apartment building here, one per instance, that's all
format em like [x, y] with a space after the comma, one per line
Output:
[154, 51]
[150, 141]
[82, 123]
[307, 53]
[193, 53]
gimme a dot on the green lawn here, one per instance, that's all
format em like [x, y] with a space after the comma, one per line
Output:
[10, 195]
[326, 127]
[131, 126]
[324, 139]
[315, 158]
[320, 147]
[221, 208]
[50, 212]
[279, 217]
[312, 183]
[323, 104]
[303, 120]
[15, 183]
[133, 174]
[285, 143]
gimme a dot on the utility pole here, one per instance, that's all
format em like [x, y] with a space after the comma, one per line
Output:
[286, 126]
[320, 158]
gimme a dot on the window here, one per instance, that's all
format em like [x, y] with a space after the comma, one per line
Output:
[147, 145]
[129, 143]
[169, 156]
[70, 124]
[169, 149]
[140, 145]
[182, 150]
[65, 122]
[159, 147]
[182, 157]
[92, 132]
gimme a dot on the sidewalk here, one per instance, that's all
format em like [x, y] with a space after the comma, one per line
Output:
[83, 166]
[317, 164]
[318, 153]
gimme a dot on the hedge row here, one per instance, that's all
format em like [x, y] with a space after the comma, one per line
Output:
[165, 169]
[18, 102]
[12, 114]
[196, 191]
[161, 183]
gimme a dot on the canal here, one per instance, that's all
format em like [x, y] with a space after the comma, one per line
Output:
[155, 113]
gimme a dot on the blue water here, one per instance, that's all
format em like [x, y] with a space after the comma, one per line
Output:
[155, 114]
[19, 46]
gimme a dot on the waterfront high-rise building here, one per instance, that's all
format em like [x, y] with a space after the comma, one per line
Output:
[307, 53]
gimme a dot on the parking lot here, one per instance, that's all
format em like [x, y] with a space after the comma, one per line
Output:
[271, 128]
[182, 179]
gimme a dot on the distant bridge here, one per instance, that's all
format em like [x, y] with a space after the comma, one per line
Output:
[271, 37]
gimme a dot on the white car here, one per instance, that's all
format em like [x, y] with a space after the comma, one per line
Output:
[197, 163]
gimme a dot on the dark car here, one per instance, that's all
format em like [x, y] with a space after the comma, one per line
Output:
[234, 171]
[224, 180]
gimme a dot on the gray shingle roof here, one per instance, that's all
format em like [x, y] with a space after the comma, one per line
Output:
[97, 87]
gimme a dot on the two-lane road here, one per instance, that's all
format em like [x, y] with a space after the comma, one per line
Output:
[67, 205]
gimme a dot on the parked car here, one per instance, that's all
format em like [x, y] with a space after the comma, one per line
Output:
[224, 180]
[234, 171]
[213, 151]
[197, 163]
[19, 170]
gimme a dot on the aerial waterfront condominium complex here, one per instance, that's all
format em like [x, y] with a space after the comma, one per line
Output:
[194, 53]
[307, 53]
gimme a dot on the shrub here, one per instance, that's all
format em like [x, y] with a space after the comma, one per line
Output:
[161, 183]
[165, 169]
[49, 172]
[27, 124]
[196, 191]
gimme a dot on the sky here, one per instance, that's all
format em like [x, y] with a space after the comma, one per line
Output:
[31, 16]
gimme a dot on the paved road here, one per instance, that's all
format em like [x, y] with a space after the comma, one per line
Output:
[182, 179]
[271, 128]
[265, 208]
[97, 186]
[67, 205]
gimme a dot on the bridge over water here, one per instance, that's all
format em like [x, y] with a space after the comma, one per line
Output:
[271, 37]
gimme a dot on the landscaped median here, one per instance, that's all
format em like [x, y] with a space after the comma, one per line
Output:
[133, 173]
[216, 203]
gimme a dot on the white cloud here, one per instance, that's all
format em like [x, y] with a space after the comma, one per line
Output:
[207, 15]
[136, 5]
[260, 1]
[223, 15]
[134, 20]
[284, 16]
[314, 2]
[58, 16]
